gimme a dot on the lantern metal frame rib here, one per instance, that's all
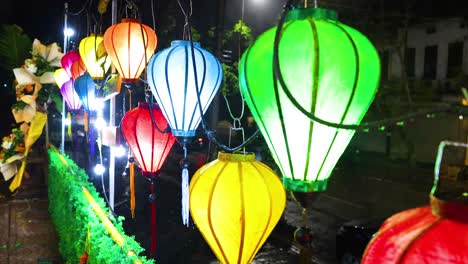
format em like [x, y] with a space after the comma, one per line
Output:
[130, 45]
[171, 77]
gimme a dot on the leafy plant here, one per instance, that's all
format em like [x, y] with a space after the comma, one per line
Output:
[78, 227]
[14, 46]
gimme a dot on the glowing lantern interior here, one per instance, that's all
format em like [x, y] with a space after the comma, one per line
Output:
[332, 70]
[236, 202]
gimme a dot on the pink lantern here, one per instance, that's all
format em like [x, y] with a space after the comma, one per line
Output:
[67, 61]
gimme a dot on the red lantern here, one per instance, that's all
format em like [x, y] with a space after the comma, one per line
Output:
[77, 69]
[143, 129]
[68, 59]
[130, 46]
[149, 146]
[433, 234]
[422, 235]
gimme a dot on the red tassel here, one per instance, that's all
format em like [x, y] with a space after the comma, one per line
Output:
[153, 221]
[84, 258]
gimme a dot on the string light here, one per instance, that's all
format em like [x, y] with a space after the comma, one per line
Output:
[99, 169]
[119, 151]
[100, 123]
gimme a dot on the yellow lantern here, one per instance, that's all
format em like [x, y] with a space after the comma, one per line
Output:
[94, 56]
[236, 202]
[61, 77]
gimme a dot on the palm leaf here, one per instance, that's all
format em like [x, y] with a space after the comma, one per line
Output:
[15, 46]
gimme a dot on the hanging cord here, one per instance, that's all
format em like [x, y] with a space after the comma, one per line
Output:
[363, 126]
[132, 7]
[83, 8]
[152, 15]
[210, 134]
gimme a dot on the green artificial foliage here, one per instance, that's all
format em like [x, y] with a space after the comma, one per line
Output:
[15, 47]
[73, 217]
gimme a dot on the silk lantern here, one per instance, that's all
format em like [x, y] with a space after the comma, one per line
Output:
[94, 56]
[67, 61]
[236, 202]
[86, 90]
[332, 70]
[130, 46]
[150, 147]
[77, 69]
[175, 84]
[61, 77]
[433, 234]
[71, 97]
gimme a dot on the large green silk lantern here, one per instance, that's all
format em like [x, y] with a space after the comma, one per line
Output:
[331, 70]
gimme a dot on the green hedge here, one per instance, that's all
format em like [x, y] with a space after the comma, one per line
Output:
[73, 217]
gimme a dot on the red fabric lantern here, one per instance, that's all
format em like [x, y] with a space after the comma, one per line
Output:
[67, 61]
[432, 234]
[130, 46]
[143, 129]
[77, 69]
[149, 146]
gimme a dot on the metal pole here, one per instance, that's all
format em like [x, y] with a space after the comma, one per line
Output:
[112, 124]
[65, 42]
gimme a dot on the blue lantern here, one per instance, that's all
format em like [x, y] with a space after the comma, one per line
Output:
[173, 84]
[86, 88]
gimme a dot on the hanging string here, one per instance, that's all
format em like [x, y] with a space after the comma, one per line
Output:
[238, 62]
[83, 8]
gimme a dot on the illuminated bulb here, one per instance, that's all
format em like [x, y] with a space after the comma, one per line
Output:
[67, 121]
[99, 104]
[69, 32]
[119, 151]
[99, 123]
[99, 169]
[460, 117]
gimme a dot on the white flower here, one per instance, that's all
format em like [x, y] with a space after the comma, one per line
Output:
[7, 144]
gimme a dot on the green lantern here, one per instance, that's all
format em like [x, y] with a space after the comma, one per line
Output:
[331, 70]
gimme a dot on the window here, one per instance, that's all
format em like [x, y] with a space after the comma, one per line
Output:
[384, 56]
[410, 59]
[430, 62]
[430, 29]
[455, 59]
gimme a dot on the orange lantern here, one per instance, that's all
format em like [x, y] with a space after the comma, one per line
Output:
[78, 68]
[94, 56]
[130, 46]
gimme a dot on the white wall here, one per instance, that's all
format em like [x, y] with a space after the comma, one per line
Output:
[446, 31]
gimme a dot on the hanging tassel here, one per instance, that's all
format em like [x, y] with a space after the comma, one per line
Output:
[185, 196]
[69, 131]
[132, 189]
[86, 122]
[152, 200]
[185, 187]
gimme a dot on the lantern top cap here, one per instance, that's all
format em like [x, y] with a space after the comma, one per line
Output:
[223, 156]
[130, 20]
[316, 13]
[184, 43]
